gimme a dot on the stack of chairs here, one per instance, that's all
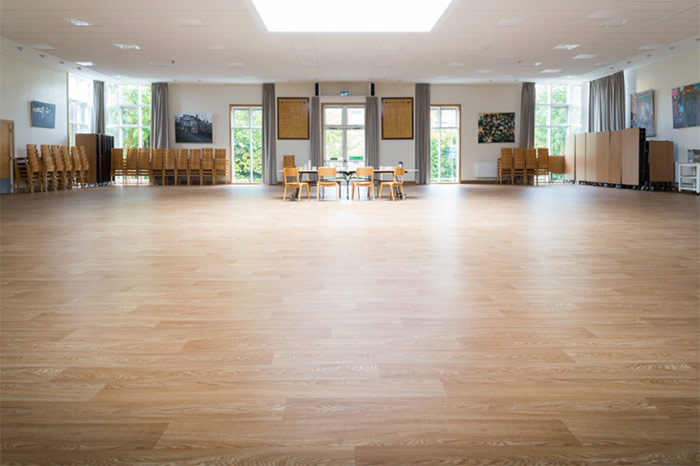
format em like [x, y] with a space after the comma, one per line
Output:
[144, 165]
[182, 166]
[524, 163]
[117, 165]
[543, 163]
[195, 166]
[169, 164]
[531, 164]
[157, 165]
[131, 165]
[80, 171]
[220, 165]
[207, 164]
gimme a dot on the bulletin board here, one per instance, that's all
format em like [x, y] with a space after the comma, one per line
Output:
[292, 118]
[397, 118]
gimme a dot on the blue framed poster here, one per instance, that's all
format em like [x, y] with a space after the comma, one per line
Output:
[43, 114]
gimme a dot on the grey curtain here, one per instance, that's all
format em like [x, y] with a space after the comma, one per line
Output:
[606, 103]
[160, 116]
[527, 116]
[98, 107]
[372, 131]
[315, 120]
[269, 136]
[422, 136]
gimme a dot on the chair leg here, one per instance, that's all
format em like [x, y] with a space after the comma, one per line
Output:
[352, 197]
[284, 195]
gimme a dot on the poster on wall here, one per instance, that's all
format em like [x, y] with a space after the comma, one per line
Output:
[193, 127]
[496, 127]
[43, 114]
[642, 105]
[686, 106]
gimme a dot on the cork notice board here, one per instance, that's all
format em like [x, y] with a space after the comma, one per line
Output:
[397, 118]
[292, 118]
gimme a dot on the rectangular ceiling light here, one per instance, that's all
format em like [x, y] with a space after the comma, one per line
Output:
[356, 16]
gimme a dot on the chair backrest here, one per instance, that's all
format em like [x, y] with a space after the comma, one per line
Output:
[506, 157]
[327, 173]
[182, 159]
[35, 164]
[67, 161]
[208, 159]
[519, 158]
[57, 159]
[399, 174]
[220, 158]
[169, 159]
[145, 159]
[530, 159]
[195, 159]
[77, 163]
[117, 159]
[32, 148]
[288, 161]
[366, 173]
[157, 159]
[132, 159]
[47, 158]
[290, 172]
[543, 158]
[83, 158]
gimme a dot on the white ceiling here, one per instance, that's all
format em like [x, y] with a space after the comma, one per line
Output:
[466, 45]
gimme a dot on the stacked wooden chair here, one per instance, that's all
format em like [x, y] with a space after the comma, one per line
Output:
[543, 163]
[157, 171]
[144, 165]
[195, 166]
[80, 173]
[169, 165]
[68, 169]
[131, 165]
[85, 165]
[220, 165]
[182, 166]
[505, 165]
[207, 168]
[531, 164]
[117, 165]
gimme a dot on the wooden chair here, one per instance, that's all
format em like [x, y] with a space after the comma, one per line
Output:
[518, 162]
[85, 165]
[145, 165]
[68, 169]
[195, 168]
[220, 165]
[207, 167]
[365, 179]
[157, 165]
[327, 177]
[531, 165]
[20, 168]
[32, 168]
[131, 166]
[59, 168]
[543, 163]
[117, 165]
[182, 166]
[394, 184]
[169, 165]
[80, 168]
[288, 161]
[293, 172]
[48, 168]
[505, 165]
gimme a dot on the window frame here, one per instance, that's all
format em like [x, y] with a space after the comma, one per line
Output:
[344, 127]
[86, 107]
[250, 128]
[458, 107]
[121, 126]
[570, 127]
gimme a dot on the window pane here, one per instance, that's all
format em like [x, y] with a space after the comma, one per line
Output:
[145, 137]
[434, 118]
[542, 93]
[559, 116]
[257, 155]
[334, 116]
[115, 133]
[241, 117]
[146, 116]
[130, 138]
[448, 117]
[559, 94]
[241, 155]
[112, 95]
[575, 93]
[558, 141]
[448, 156]
[541, 137]
[434, 154]
[130, 94]
[542, 115]
[130, 116]
[356, 145]
[145, 94]
[256, 115]
[356, 116]
[334, 145]
[112, 116]
[574, 116]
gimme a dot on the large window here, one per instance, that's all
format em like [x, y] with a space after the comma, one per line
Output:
[444, 144]
[557, 114]
[128, 114]
[246, 144]
[344, 135]
[79, 106]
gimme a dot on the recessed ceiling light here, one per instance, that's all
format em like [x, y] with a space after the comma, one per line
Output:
[566, 46]
[529, 64]
[42, 47]
[128, 46]
[478, 48]
[551, 70]
[337, 16]
[215, 47]
[650, 47]
[234, 63]
[189, 22]
[80, 22]
[506, 57]
[509, 23]
[84, 63]
[613, 23]
[456, 64]
[482, 71]
[585, 56]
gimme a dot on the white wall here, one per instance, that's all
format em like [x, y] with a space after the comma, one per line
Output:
[661, 78]
[20, 83]
[475, 99]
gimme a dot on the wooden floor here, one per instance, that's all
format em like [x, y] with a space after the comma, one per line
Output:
[465, 325]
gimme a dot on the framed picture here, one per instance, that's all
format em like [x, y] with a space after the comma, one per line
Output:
[397, 118]
[193, 128]
[642, 109]
[686, 106]
[43, 114]
[496, 127]
[292, 118]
